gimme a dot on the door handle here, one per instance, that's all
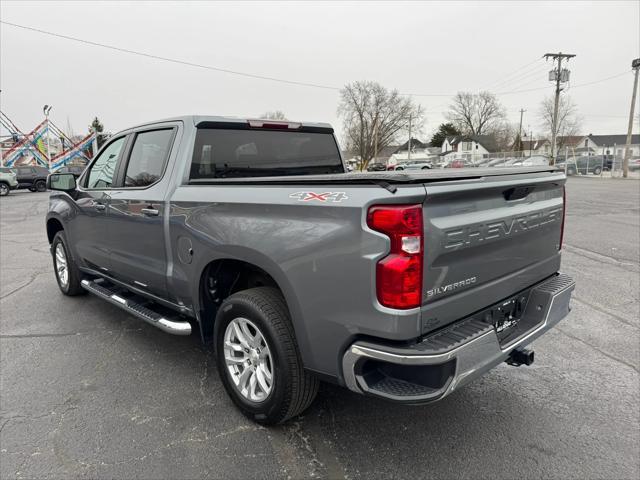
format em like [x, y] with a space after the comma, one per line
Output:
[99, 206]
[150, 212]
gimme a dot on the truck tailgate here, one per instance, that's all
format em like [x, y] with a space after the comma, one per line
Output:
[486, 239]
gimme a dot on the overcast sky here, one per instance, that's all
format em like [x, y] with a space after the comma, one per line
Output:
[420, 48]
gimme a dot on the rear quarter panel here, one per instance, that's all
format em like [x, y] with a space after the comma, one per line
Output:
[321, 254]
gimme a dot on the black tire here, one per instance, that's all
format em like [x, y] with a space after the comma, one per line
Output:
[399, 169]
[41, 186]
[597, 171]
[72, 288]
[4, 189]
[426, 168]
[293, 389]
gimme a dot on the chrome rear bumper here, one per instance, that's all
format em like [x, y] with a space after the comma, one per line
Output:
[454, 356]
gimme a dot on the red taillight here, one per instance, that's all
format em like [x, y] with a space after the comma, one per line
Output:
[564, 212]
[399, 274]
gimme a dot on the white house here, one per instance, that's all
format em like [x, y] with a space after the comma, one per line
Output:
[608, 145]
[468, 147]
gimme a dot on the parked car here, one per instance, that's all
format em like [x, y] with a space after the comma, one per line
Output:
[417, 165]
[74, 169]
[404, 288]
[400, 166]
[499, 162]
[376, 167]
[583, 164]
[634, 164]
[458, 163]
[33, 178]
[482, 162]
[536, 160]
[8, 181]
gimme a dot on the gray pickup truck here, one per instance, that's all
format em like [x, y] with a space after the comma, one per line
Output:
[403, 286]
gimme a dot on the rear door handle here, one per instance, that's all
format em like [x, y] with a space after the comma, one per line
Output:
[150, 212]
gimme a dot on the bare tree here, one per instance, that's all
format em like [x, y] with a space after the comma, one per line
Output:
[375, 117]
[275, 115]
[476, 113]
[569, 121]
[505, 135]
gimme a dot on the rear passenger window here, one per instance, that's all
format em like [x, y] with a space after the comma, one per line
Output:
[148, 156]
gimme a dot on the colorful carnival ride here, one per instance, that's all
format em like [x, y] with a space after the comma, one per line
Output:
[33, 148]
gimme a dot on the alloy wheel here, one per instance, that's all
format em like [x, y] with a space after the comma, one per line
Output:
[248, 359]
[62, 269]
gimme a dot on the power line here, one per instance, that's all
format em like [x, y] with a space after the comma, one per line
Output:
[504, 77]
[521, 76]
[173, 60]
[601, 80]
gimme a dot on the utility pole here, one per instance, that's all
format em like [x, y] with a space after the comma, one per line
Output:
[627, 151]
[520, 131]
[559, 78]
[409, 144]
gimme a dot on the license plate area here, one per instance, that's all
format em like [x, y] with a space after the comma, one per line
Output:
[506, 316]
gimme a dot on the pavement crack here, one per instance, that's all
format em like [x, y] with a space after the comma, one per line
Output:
[21, 287]
[605, 311]
[597, 349]
[601, 258]
[41, 335]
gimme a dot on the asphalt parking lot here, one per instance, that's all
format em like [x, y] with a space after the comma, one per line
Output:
[87, 391]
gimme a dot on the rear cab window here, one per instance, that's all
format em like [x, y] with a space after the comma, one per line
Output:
[247, 152]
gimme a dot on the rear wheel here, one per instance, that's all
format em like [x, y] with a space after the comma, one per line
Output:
[41, 186]
[597, 171]
[65, 269]
[258, 358]
[4, 189]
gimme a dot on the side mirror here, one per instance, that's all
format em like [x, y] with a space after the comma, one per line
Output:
[64, 182]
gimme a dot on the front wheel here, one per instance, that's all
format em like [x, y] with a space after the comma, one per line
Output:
[597, 171]
[258, 358]
[65, 269]
[4, 189]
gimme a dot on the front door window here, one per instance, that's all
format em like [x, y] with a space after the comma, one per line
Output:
[103, 170]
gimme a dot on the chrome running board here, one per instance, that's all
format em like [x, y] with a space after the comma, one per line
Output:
[114, 295]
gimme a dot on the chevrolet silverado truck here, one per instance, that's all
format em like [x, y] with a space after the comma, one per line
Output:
[402, 286]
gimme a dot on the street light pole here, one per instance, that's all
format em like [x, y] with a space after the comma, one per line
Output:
[46, 109]
[627, 151]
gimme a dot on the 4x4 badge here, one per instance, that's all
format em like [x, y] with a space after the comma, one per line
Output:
[335, 197]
